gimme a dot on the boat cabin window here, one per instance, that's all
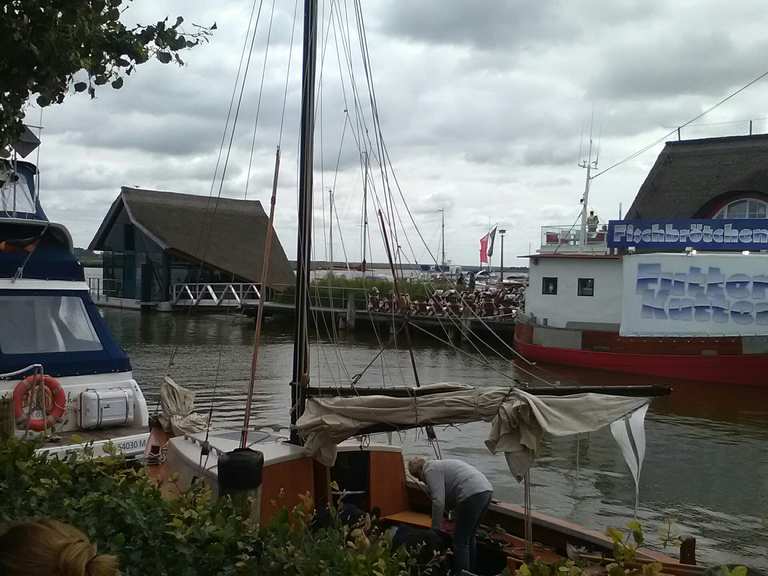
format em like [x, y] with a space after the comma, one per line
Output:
[34, 324]
[586, 287]
[15, 195]
[549, 285]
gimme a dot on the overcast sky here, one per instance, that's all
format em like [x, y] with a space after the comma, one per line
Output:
[484, 107]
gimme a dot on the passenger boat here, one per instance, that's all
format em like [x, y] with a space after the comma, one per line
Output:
[63, 377]
[691, 315]
[334, 450]
[677, 288]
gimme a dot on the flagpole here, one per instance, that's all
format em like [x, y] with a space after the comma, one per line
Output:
[489, 256]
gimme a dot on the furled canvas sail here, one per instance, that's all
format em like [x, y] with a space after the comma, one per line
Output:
[518, 419]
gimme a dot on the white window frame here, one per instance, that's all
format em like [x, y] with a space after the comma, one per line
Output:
[751, 202]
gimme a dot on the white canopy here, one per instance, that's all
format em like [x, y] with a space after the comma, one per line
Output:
[518, 419]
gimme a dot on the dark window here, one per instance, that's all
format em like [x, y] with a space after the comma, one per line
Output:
[586, 286]
[549, 285]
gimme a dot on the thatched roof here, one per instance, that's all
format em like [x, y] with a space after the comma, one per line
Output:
[226, 234]
[693, 178]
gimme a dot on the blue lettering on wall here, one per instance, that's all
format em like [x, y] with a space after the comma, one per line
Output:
[721, 234]
[701, 295]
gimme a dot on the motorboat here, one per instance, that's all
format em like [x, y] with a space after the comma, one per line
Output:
[64, 380]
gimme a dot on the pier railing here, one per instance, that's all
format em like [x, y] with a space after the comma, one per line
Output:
[104, 287]
[217, 294]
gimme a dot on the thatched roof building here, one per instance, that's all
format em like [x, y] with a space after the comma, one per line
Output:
[159, 238]
[699, 178]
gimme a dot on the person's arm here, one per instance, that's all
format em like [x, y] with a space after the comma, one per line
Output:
[434, 479]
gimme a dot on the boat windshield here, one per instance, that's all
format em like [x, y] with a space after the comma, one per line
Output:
[15, 196]
[39, 324]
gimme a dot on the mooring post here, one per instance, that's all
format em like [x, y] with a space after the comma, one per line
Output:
[7, 418]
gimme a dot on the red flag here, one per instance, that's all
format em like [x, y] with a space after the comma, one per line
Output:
[484, 249]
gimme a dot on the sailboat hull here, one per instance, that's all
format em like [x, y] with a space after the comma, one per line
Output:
[374, 478]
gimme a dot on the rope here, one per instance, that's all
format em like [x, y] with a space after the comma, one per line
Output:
[258, 104]
[683, 125]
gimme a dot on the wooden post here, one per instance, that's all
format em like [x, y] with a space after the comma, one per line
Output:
[351, 312]
[7, 420]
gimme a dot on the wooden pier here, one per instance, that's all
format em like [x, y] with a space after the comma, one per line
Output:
[347, 307]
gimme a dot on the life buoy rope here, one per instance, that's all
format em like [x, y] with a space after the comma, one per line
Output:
[55, 402]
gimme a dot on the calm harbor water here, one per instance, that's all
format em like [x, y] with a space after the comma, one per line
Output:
[706, 466]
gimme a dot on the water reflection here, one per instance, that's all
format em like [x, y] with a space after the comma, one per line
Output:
[706, 468]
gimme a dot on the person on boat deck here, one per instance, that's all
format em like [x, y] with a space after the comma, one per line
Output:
[455, 485]
[592, 222]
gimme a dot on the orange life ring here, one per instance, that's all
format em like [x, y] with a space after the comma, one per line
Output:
[55, 402]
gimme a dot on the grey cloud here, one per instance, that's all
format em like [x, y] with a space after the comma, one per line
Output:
[686, 62]
[481, 105]
[488, 25]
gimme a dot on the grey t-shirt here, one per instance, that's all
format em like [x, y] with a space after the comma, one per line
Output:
[449, 482]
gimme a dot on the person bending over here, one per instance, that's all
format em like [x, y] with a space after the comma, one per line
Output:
[455, 485]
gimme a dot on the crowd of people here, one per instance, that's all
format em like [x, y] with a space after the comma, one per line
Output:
[499, 303]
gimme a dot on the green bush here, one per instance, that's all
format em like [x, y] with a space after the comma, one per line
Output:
[124, 513]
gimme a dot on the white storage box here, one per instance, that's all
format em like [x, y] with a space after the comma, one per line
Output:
[106, 408]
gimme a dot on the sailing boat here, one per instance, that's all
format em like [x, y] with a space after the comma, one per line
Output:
[327, 424]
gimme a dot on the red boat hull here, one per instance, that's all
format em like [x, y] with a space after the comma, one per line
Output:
[739, 369]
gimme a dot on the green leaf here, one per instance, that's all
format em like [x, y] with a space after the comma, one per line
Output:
[117, 83]
[80, 86]
[637, 532]
[164, 57]
[615, 534]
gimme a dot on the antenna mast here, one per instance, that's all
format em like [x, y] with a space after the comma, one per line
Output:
[330, 234]
[442, 239]
[588, 164]
[365, 210]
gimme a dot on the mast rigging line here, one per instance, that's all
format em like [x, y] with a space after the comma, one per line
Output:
[258, 104]
[430, 430]
[683, 125]
[248, 33]
[288, 73]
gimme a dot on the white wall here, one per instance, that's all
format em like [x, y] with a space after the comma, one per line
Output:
[567, 306]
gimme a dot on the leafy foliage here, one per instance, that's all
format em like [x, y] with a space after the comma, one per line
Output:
[626, 545]
[123, 511]
[45, 43]
[291, 547]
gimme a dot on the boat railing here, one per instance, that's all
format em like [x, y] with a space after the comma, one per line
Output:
[217, 294]
[553, 237]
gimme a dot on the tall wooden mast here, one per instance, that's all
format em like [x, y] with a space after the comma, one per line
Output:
[300, 380]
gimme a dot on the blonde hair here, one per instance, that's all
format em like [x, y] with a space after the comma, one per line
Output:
[51, 548]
